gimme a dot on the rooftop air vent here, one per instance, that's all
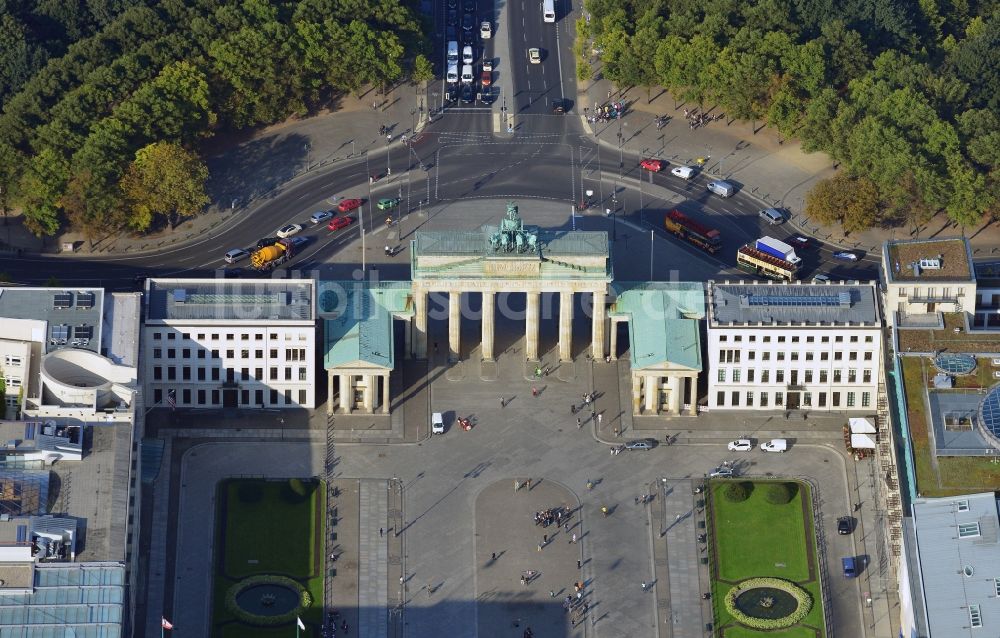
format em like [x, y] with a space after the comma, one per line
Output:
[930, 264]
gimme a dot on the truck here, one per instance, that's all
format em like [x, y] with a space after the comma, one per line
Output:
[777, 248]
[680, 225]
[758, 262]
[270, 256]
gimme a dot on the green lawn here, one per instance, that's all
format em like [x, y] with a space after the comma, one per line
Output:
[281, 533]
[755, 538]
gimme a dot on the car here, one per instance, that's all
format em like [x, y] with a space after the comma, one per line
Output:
[467, 22]
[388, 202]
[488, 65]
[800, 242]
[684, 172]
[348, 205]
[452, 4]
[640, 444]
[772, 216]
[653, 165]
[450, 33]
[452, 17]
[485, 30]
[845, 525]
[740, 445]
[849, 566]
[452, 94]
[467, 56]
[486, 78]
[236, 254]
[722, 188]
[469, 5]
[466, 37]
[723, 471]
[820, 278]
[468, 97]
[320, 216]
[535, 55]
[845, 255]
[340, 222]
[774, 445]
[559, 105]
[437, 423]
[264, 242]
[288, 230]
[299, 242]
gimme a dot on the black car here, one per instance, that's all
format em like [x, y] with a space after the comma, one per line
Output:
[467, 95]
[452, 4]
[451, 33]
[467, 20]
[452, 93]
[467, 37]
[267, 241]
[844, 525]
[452, 17]
[469, 5]
[558, 106]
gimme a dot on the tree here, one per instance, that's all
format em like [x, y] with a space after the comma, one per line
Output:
[780, 493]
[737, 491]
[11, 166]
[423, 70]
[39, 190]
[851, 202]
[164, 179]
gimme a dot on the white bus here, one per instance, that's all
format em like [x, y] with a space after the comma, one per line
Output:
[548, 11]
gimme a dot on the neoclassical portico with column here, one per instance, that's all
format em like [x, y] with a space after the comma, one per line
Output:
[510, 258]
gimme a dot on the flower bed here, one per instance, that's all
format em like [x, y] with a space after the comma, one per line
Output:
[233, 607]
[802, 597]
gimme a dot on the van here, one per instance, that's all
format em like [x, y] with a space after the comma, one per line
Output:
[722, 189]
[236, 255]
[850, 566]
[771, 216]
[466, 74]
[774, 445]
[452, 51]
[437, 423]
[452, 75]
[467, 55]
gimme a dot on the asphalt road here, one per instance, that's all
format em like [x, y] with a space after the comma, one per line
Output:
[548, 156]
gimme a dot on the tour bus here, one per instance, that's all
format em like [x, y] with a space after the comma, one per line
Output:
[548, 11]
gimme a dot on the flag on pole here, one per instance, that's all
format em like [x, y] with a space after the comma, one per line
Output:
[172, 399]
[299, 621]
[165, 624]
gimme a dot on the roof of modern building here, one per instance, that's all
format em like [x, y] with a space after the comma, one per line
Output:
[958, 540]
[664, 322]
[73, 315]
[358, 321]
[120, 334]
[230, 300]
[68, 599]
[947, 259]
[770, 304]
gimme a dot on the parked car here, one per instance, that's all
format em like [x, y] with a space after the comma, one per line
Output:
[772, 216]
[289, 230]
[740, 445]
[340, 222]
[388, 202]
[236, 254]
[535, 55]
[651, 164]
[348, 205]
[684, 172]
[850, 566]
[320, 216]
[485, 30]
[774, 445]
[845, 525]
[845, 255]
[486, 77]
[437, 423]
[640, 444]
[723, 471]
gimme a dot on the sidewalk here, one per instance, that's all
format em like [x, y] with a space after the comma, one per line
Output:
[779, 173]
[250, 167]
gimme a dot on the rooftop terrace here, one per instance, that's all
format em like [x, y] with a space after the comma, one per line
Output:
[942, 259]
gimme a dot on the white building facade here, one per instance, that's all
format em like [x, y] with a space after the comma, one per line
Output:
[814, 347]
[230, 343]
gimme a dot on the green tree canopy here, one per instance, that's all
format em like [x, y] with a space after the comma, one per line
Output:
[165, 179]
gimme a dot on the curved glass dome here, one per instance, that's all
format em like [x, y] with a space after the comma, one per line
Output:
[989, 415]
[952, 363]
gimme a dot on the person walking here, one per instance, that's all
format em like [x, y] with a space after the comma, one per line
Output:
[493, 556]
[527, 484]
[534, 391]
[380, 532]
[579, 564]
[643, 585]
[600, 417]
[502, 402]
[579, 423]
[604, 510]
[574, 538]
[539, 547]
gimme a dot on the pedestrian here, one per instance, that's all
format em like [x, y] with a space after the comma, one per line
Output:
[517, 485]
[545, 538]
[493, 556]
[552, 593]
[574, 538]
[579, 422]
[527, 484]
[380, 532]
[643, 585]
[539, 547]
[593, 415]
[616, 431]
[609, 94]
[524, 581]
[501, 402]
[600, 417]
[579, 564]
[590, 485]
[534, 391]
[572, 409]
[604, 510]
[636, 500]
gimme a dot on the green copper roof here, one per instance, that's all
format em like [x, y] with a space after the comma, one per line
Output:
[358, 321]
[664, 322]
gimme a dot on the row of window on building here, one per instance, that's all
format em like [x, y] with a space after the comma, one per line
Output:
[730, 355]
[202, 373]
[228, 336]
[797, 338]
[245, 398]
[735, 375]
[777, 399]
[290, 354]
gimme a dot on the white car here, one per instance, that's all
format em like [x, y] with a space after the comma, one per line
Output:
[437, 423]
[684, 172]
[740, 445]
[534, 55]
[488, 65]
[774, 445]
[236, 254]
[485, 30]
[320, 216]
[289, 230]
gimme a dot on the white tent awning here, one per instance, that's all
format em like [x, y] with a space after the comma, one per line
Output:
[861, 426]
[861, 441]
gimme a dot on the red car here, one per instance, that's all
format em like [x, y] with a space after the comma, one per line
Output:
[341, 222]
[348, 205]
[487, 78]
[654, 165]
